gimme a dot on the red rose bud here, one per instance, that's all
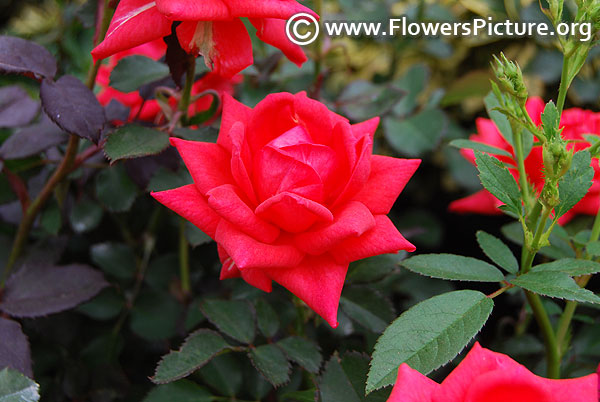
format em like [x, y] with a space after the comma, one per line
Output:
[291, 193]
[575, 123]
[486, 376]
[211, 28]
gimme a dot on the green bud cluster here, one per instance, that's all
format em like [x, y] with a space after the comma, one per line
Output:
[510, 76]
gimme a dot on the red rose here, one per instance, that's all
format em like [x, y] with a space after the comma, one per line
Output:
[575, 122]
[291, 193]
[486, 376]
[211, 28]
[150, 109]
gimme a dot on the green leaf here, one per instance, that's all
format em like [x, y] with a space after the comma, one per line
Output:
[496, 178]
[196, 351]
[166, 179]
[479, 146]
[574, 185]
[233, 317]
[15, 387]
[555, 284]
[115, 189]
[453, 267]
[558, 248]
[344, 380]
[373, 268]
[155, 315]
[367, 307]
[308, 395]
[85, 216]
[428, 335]
[270, 361]
[266, 318]
[116, 259]
[224, 373]
[497, 251]
[570, 266]
[499, 119]
[180, 391]
[133, 141]
[107, 305]
[593, 248]
[416, 134]
[550, 120]
[134, 71]
[303, 352]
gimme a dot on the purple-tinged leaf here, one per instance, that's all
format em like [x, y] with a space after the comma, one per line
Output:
[38, 290]
[176, 58]
[16, 107]
[116, 111]
[31, 140]
[20, 56]
[73, 107]
[14, 347]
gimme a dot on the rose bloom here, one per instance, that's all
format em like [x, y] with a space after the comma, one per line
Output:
[150, 110]
[210, 28]
[486, 376]
[575, 122]
[291, 193]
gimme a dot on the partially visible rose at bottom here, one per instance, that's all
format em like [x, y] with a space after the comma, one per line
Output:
[150, 110]
[486, 376]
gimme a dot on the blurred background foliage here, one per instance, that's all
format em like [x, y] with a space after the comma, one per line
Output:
[428, 91]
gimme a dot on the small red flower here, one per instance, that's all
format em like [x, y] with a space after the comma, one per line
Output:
[575, 122]
[486, 376]
[150, 110]
[291, 193]
[212, 28]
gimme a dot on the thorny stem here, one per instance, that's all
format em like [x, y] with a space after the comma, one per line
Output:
[564, 85]
[564, 322]
[521, 167]
[552, 351]
[184, 102]
[184, 260]
[65, 167]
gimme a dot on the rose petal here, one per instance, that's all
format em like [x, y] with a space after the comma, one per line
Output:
[292, 212]
[188, 202]
[318, 281]
[135, 22]
[367, 127]
[194, 10]
[535, 106]
[233, 112]
[225, 45]
[384, 238]
[207, 163]
[273, 116]
[482, 202]
[318, 120]
[361, 169]
[241, 161]
[226, 202]
[386, 181]
[412, 386]
[207, 10]
[272, 31]
[275, 172]
[352, 220]
[254, 277]
[247, 252]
